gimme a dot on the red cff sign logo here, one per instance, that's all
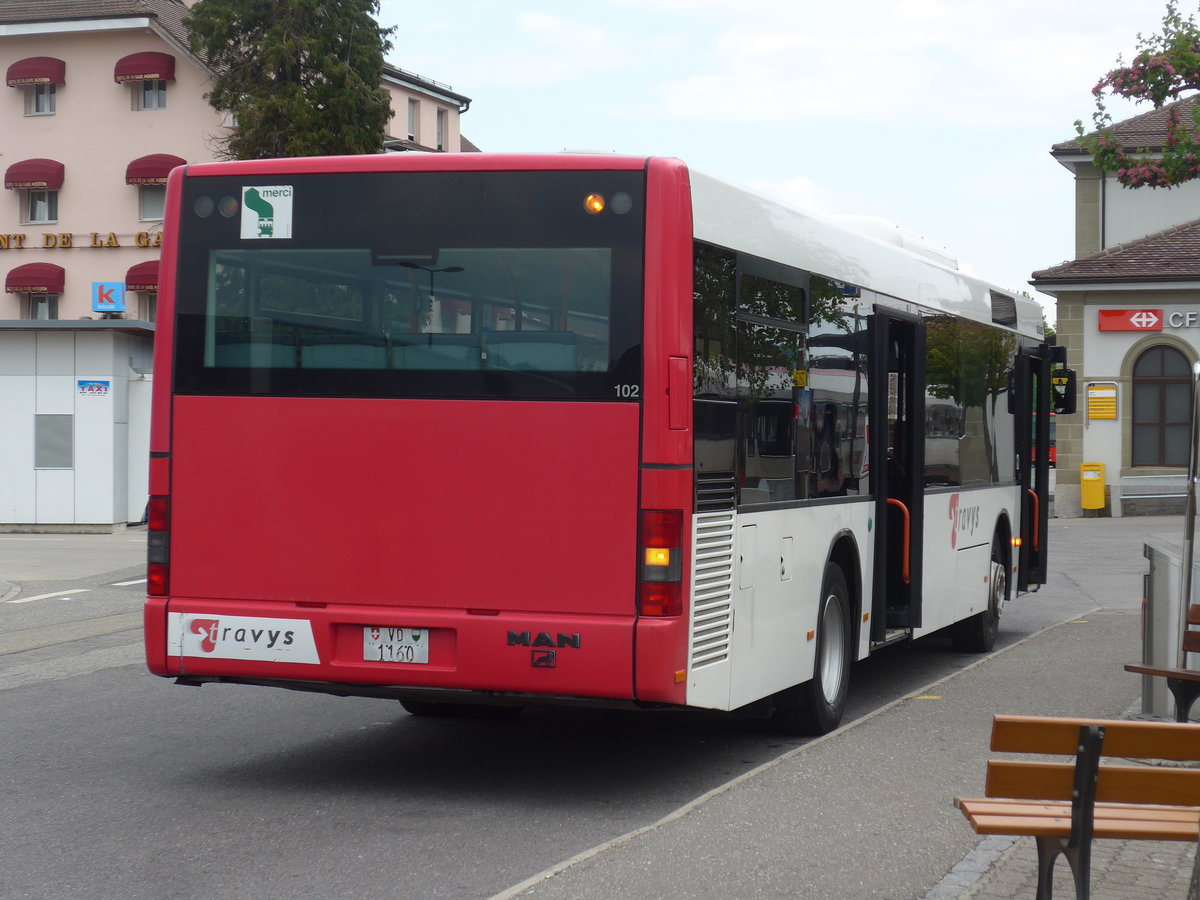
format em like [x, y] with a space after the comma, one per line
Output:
[1131, 320]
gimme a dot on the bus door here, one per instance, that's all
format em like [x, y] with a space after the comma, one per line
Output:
[897, 469]
[1031, 406]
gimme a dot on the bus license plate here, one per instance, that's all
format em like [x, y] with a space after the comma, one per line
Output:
[398, 645]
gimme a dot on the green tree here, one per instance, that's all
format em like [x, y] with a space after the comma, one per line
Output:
[1166, 66]
[302, 77]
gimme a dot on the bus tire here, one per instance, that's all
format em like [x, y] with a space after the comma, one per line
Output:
[816, 706]
[978, 633]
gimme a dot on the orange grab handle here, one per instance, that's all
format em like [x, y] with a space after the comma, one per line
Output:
[1037, 516]
[904, 572]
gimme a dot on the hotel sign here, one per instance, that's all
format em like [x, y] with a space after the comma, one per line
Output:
[66, 240]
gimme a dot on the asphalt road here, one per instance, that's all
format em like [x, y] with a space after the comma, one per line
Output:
[120, 784]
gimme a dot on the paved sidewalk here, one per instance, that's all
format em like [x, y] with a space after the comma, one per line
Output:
[1004, 868]
[1121, 870]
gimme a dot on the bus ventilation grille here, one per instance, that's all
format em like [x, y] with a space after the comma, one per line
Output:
[712, 588]
[715, 491]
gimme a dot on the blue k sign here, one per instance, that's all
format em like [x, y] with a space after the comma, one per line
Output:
[108, 296]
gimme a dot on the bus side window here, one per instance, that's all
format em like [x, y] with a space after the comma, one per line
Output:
[767, 360]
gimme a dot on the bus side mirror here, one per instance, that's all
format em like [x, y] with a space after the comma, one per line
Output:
[1062, 391]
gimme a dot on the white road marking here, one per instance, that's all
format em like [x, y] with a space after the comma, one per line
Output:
[48, 596]
[127, 583]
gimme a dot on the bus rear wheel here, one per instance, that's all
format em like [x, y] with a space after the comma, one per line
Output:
[816, 706]
[978, 633]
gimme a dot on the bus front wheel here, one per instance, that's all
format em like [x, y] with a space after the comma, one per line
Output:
[816, 706]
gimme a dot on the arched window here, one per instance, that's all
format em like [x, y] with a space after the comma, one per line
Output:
[1162, 402]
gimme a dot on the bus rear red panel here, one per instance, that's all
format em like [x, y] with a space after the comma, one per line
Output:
[662, 643]
[354, 513]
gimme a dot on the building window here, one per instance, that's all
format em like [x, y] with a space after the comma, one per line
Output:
[41, 306]
[148, 306]
[41, 207]
[441, 129]
[1162, 402]
[40, 99]
[152, 199]
[150, 95]
[53, 442]
[413, 112]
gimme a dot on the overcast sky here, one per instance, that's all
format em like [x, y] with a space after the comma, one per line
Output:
[937, 115]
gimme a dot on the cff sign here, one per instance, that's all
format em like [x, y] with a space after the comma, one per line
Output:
[1131, 319]
[108, 296]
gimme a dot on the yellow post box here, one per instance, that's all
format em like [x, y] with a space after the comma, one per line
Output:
[1091, 485]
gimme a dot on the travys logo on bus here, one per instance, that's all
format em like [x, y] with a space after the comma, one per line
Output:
[963, 520]
[241, 637]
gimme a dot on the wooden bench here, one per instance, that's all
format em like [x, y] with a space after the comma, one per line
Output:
[1184, 684]
[1065, 804]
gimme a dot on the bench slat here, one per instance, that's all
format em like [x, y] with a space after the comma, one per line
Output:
[1165, 672]
[1020, 779]
[1060, 826]
[1139, 740]
[987, 806]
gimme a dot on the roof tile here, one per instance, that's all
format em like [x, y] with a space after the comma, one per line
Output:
[1167, 255]
[1147, 131]
[170, 13]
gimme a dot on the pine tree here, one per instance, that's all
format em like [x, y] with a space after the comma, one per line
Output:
[301, 77]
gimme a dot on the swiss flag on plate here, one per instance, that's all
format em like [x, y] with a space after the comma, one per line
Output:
[1131, 319]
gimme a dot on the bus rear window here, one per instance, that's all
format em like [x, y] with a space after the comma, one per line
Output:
[466, 295]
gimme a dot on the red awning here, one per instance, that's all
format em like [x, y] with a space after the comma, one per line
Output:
[152, 169]
[37, 70]
[35, 278]
[44, 174]
[142, 277]
[145, 67]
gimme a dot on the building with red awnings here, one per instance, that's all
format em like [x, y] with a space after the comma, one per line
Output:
[105, 100]
[34, 278]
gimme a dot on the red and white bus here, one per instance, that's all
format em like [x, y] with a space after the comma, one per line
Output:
[470, 430]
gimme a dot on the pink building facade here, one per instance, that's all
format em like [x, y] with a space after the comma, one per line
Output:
[101, 100]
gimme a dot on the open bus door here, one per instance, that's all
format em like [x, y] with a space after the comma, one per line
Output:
[897, 467]
[1033, 398]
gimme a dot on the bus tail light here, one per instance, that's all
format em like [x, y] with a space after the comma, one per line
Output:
[660, 563]
[158, 543]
